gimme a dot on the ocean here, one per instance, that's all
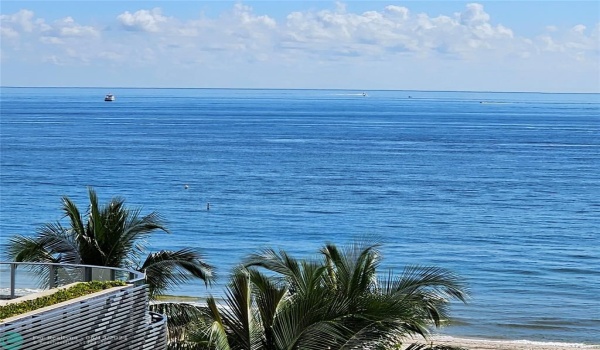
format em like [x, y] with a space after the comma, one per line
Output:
[501, 188]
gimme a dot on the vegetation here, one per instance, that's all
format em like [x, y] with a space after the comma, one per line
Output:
[339, 302]
[111, 235]
[59, 296]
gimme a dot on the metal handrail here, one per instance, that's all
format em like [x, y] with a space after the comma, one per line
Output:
[135, 277]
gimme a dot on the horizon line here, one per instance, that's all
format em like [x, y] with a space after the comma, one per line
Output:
[250, 88]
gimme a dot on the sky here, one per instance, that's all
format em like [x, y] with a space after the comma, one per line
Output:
[528, 45]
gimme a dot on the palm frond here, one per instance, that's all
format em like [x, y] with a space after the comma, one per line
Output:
[60, 242]
[22, 248]
[280, 262]
[442, 282]
[166, 269]
[300, 276]
[239, 314]
[310, 321]
[376, 335]
[425, 292]
[72, 212]
[82, 232]
[179, 317]
[351, 271]
[406, 317]
[136, 229]
[270, 298]
[216, 334]
[308, 278]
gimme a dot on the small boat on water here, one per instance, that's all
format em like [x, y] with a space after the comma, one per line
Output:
[109, 97]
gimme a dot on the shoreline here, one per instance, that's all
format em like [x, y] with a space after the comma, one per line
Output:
[496, 344]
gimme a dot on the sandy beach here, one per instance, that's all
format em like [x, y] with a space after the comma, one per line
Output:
[487, 344]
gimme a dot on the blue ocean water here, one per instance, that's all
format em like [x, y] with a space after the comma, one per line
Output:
[502, 188]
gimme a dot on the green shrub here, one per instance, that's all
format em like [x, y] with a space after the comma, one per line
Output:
[59, 296]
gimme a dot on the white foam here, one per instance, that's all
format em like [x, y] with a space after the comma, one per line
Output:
[478, 343]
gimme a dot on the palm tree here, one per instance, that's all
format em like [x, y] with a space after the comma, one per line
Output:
[337, 303]
[113, 235]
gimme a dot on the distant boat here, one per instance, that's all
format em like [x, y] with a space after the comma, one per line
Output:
[109, 97]
[364, 94]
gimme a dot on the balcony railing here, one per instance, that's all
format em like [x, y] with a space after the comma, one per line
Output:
[22, 278]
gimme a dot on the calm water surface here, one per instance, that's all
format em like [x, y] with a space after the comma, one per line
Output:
[505, 192]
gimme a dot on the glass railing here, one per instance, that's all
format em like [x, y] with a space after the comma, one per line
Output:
[23, 278]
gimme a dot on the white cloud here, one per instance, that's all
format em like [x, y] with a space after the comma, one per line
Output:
[548, 44]
[474, 15]
[22, 19]
[396, 30]
[24, 23]
[54, 59]
[397, 11]
[142, 20]
[8, 32]
[574, 43]
[11, 26]
[246, 18]
[67, 27]
[322, 36]
[111, 56]
[580, 28]
[51, 40]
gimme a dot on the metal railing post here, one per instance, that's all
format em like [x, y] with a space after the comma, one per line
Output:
[87, 274]
[13, 268]
[52, 276]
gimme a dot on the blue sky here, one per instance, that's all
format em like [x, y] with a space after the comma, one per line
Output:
[546, 46]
